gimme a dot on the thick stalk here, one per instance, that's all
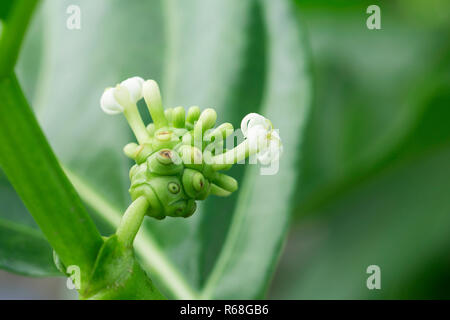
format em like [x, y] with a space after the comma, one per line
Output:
[131, 221]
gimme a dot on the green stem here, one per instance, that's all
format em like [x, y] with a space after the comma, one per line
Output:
[239, 153]
[134, 119]
[131, 221]
[13, 32]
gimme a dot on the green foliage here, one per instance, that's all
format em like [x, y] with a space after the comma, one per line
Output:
[24, 250]
[363, 180]
[30, 165]
[5, 8]
[376, 159]
[207, 69]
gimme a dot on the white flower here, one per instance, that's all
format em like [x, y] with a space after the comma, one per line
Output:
[273, 151]
[108, 101]
[253, 120]
[263, 140]
[134, 86]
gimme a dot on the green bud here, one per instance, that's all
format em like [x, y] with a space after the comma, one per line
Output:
[225, 182]
[165, 162]
[218, 191]
[195, 184]
[192, 115]
[152, 97]
[191, 156]
[206, 121]
[139, 153]
[178, 117]
[168, 113]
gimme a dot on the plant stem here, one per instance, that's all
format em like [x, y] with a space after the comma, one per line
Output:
[131, 221]
[13, 32]
[238, 153]
[131, 113]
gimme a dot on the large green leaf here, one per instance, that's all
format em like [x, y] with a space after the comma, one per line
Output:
[262, 214]
[365, 83]
[224, 54]
[5, 8]
[23, 247]
[396, 218]
[34, 172]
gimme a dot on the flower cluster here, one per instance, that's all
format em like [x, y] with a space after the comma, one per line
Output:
[180, 155]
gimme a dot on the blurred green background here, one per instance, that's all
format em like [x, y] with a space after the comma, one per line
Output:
[372, 186]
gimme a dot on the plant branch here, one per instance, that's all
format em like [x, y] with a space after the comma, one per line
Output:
[131, 221]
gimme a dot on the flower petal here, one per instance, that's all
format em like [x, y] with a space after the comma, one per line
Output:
[134, 87]
[254, 119]
[257, 138]
[109, 103]
[273, 150]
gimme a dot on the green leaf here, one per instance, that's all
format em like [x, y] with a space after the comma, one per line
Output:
[364, 100]
[18, 15]
[23, 247]
[262, 215]
[24, 250]
[396, 218]
[5, 7]
[32, 169]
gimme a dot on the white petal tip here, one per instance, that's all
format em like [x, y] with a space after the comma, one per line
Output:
[134, 87]
[109, 104]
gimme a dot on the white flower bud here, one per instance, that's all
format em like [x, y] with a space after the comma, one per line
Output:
[263, 140]
[273, 151]
[109, 103]
[134, 87]
[252, 120]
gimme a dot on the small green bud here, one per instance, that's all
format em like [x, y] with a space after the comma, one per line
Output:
[206, 121]
[195, 184]
[225, 182]
[165, 162]
[178, 117]
[168, 113]
[192, 115]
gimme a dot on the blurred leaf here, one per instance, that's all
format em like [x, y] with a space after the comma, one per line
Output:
[12, 207]
[365, 83]
[59, 214]
[5, 7]
[261, 218]
[207, 62]
[24, 250]
[373, 186]
[396, 218]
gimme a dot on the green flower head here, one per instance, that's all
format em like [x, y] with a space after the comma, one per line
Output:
[179, 157]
